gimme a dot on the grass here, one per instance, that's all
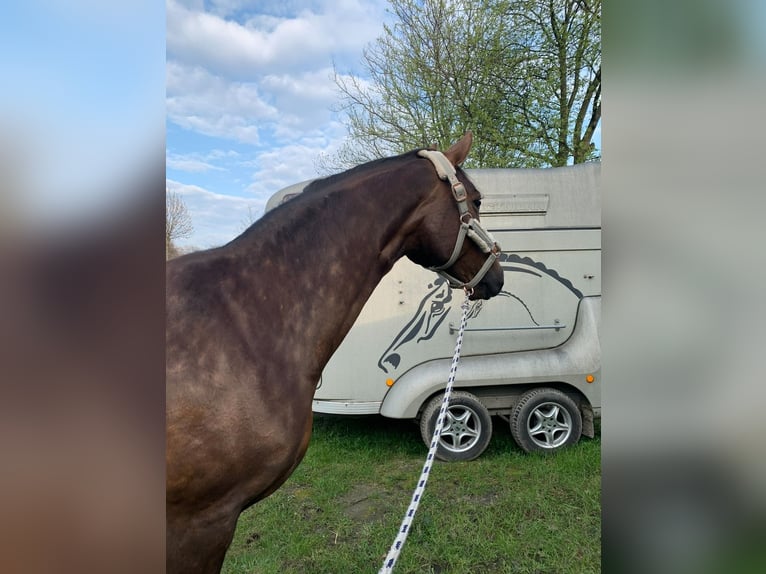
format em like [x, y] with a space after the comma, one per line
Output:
[506, 512]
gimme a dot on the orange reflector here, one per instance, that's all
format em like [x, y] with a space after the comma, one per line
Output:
[589, 378]
[389, 382]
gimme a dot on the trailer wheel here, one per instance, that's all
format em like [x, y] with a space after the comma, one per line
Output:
[545, 420]
[466, 430]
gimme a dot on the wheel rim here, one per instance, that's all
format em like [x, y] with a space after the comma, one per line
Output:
[461, 429]
[549, 425]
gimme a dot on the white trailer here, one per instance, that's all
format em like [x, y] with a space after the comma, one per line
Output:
[530, 355]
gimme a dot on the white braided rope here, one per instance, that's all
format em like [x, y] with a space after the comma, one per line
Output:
[404, 529]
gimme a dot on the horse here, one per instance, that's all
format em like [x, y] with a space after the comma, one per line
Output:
[251, 325]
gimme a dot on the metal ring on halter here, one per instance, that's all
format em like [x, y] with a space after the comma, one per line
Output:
[468, 291]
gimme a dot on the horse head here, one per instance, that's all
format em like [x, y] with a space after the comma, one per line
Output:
[448, 237]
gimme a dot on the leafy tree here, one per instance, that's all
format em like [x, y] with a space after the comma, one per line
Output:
[178, 223]
[524, 75]
[559, 98]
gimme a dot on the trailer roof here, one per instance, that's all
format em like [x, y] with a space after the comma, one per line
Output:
[517, 198]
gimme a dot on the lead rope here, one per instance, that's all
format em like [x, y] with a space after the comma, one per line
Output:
[396, 547]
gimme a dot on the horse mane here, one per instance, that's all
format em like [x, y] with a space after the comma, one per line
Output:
[314, 190]
[319, 184]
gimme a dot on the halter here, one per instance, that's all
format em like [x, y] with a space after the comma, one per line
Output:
[469, 226]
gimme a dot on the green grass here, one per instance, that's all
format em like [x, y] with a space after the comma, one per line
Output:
[506, 512]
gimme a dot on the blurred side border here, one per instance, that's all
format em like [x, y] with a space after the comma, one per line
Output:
[82, 412]
[683, 483]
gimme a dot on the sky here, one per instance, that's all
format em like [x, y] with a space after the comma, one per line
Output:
[249, 100]
[250, 93]
[81, 104]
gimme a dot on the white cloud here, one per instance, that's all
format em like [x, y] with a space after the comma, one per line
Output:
[283, 106]
[279, 167]
[282, 167]
[303, 93]
[189, 163]
[257, 72]
[265, 43]
[217, 218]
[200, 101]
[252, 71]
[197, 162]
[228, 45]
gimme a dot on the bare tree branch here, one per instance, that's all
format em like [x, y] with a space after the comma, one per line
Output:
[178, 224]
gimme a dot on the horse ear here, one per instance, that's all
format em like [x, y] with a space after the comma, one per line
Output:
[458, 151]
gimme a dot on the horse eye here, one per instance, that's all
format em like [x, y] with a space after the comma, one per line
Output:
[477, 203]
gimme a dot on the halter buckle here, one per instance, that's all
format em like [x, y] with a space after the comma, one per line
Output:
[458, 190]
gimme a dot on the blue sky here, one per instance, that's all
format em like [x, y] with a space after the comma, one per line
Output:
[249, 94]
[81, 105]
[249, 98]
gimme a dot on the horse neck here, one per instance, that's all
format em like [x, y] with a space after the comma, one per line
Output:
[316, 264]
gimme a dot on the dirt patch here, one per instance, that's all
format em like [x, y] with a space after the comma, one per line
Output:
[366, 503]
[252, 537]
[486, 499]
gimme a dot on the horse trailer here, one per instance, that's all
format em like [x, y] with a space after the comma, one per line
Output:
[530, 355]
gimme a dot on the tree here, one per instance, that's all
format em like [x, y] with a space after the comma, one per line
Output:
[524, 75]
[178, 223]
[560, 96]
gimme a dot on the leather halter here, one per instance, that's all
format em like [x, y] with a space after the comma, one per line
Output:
[469, 226]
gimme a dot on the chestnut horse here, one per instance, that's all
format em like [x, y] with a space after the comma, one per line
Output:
[251, 325]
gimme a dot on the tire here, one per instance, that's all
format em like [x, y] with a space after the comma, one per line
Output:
[545, 420]
[466, 431]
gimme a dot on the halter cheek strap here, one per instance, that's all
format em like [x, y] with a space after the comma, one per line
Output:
[469, 227]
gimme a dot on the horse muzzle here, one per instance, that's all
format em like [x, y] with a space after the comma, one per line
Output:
[490, 285]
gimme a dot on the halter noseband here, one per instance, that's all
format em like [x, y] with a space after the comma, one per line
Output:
[468, 225]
